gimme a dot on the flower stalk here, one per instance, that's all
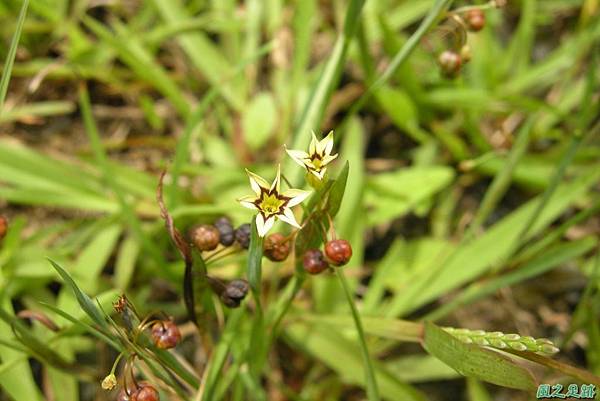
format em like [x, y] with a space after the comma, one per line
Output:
[372, 389]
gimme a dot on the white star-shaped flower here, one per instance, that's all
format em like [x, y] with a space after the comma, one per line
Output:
[271, 202]
[318, 156]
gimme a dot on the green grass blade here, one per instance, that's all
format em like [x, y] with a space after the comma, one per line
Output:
[502, 180]
[85, 302]
[109, 176]
[550, 259]
[10, 58]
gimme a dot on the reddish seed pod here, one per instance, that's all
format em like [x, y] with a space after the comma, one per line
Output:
[146, 392]
[165, 334]
[314, 262]
[338, 252]
[450, 63]
[277, 247]
[3, 226]
[205, 237]
[475, 20]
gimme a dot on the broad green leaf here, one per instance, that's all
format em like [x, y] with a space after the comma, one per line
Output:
[259, 119]
[398, 105]
[336, 194]
[390, 195]
[474, 361]
[94, 257]
[16, 378]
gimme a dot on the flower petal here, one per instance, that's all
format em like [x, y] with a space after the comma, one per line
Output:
[312, 148]
[327, 143]
[260, 223]
[257, 182]
[248, 202]
[298, 156]
[276, 182]
[288, 217]
[319, 174]
[263, 226]
[328, 159]
[297, 196]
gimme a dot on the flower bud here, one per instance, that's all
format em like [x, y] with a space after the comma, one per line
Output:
[109, 382]
[234, 293]
[242, 235]
[226, 232]
[146, 392]
[3, 226]
[314, 262]
[475, 19]
[338, 251]
[120, 304]
[165, 334]
[205, 237]
[277, 247]
[465, 54]
[450, 63]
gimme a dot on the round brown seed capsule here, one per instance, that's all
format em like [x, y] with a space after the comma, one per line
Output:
[338, 251]
[205, 237]
[3, 226]
[165, 334]
[242, 235]
[450, 63]
[145, 392]
[314, 262]
[226, 232]
[277, 247]
[475, 20]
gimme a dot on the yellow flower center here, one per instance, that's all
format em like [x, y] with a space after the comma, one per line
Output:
[270, 204]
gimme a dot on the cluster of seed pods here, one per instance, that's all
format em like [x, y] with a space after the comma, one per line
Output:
[163, 333]
[337, 253]
[452, 60]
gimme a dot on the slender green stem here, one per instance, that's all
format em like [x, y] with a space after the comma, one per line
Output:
[283, 305]
[372, 389]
